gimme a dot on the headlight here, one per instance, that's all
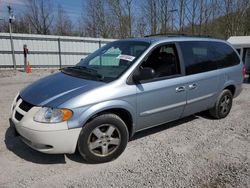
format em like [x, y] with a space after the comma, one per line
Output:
[52, 115]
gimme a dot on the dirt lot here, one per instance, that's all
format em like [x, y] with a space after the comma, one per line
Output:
[195, 151]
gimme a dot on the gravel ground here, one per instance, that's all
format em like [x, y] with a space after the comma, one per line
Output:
[193, 152]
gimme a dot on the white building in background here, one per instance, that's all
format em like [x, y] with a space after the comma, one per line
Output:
[242, 45]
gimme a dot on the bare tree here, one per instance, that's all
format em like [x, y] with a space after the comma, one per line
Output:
[153, 13]
[63, 24]
[40, 15]
[234, 12]
[141, 26]
[4, 26]
[20, 24]
[246, 23]
[121, 14]
[95, 19]
[193, 15]
[149, 10]
[117, 18]
[164, 16]
[128, 5]
[116, 15]
[182, 11]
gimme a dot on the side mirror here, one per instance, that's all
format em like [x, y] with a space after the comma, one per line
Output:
[144, 74]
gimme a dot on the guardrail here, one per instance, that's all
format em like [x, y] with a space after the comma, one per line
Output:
[46, 50]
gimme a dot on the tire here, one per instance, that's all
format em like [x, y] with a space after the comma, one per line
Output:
[103, 139]
[223, 105]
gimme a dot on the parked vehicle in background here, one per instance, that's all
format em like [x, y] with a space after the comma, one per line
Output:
[242, 45]
[125, 87]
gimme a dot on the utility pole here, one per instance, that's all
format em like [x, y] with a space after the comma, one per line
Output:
[172, 12]
[11, 18]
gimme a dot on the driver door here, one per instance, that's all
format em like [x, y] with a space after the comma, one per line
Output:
[163, 98]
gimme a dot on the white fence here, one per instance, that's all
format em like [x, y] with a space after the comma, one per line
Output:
[47, 50]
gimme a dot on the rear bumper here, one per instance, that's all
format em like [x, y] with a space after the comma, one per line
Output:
[51, 138]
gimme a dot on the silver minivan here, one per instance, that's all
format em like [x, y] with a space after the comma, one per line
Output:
[124, 87]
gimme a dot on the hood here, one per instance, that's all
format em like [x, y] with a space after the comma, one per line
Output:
[56, 89]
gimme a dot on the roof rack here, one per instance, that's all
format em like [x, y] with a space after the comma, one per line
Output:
[177, 35]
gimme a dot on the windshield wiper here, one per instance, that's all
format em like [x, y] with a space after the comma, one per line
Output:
[85, 70]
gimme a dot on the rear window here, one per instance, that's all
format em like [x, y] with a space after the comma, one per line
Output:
[203, 56]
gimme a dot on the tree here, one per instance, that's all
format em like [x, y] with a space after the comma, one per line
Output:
[234, 12]
[121, 13]
[20, 24]
[141, 26]
[164, 16]
[182, 11]
[128, 5]
[95, 19]
[40, 15]
[63, 24]
[4, 26]
[246, 23]
[149, 10]
[192, 15]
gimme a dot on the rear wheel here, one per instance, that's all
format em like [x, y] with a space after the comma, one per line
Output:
[103, 139]
[223, 105]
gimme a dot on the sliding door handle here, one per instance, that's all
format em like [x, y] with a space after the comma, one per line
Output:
[180, 89]
[192, 86]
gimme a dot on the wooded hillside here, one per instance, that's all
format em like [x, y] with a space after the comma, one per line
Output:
[133, 18]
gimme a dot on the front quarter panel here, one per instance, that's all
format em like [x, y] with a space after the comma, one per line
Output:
[82, 115]
[113, 95]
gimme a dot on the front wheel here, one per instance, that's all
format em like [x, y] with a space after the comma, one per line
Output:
[223, 105]
[103, 139]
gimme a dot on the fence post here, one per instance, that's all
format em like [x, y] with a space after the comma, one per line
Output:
[59, 52]
[100, 43]
[12, 47]
[25, 53]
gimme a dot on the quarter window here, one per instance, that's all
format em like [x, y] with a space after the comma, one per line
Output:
[225, 55]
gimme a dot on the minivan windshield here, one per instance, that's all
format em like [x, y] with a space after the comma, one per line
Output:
[109, 62]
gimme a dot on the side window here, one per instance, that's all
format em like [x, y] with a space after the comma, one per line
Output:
[164, 60]
[224, 55]
[202, 56]
[198, 57]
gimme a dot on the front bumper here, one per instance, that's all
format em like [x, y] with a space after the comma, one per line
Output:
[63, 141]
[47, 138]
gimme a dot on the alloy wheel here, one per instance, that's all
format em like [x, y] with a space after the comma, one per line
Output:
[225, 104]
[104, 140]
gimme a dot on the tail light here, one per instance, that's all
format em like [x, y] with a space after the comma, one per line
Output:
[244, 71]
